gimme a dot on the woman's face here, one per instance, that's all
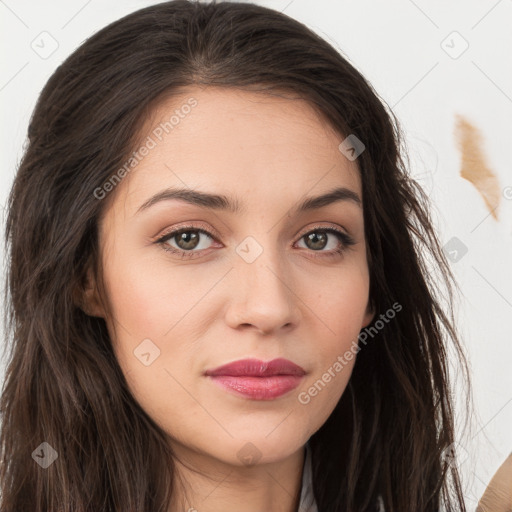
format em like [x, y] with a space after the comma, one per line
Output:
[262, 282]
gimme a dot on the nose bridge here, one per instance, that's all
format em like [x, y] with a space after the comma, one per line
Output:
[264, 294]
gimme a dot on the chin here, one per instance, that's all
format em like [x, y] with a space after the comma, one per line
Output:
[252, 450]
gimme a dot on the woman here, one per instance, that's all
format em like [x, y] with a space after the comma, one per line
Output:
[219, 293]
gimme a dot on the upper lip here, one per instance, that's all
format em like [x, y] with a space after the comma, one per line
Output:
[257, 368]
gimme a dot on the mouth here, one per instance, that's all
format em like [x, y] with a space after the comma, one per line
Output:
[258, 380]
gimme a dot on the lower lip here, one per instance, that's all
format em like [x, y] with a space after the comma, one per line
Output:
[259, 388]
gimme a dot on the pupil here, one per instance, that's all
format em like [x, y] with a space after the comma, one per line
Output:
[189, 244]
[314, 238]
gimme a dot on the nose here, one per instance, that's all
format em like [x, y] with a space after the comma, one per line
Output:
[263, 296]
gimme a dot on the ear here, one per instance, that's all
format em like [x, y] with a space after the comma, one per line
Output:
[87, 297]
[368, 317]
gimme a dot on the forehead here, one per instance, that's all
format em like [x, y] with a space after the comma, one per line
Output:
[251, 143]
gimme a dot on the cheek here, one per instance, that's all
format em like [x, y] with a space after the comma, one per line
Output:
[343, 300]
[149, 303]
[149, 297]
[152, 300]
[341, 307]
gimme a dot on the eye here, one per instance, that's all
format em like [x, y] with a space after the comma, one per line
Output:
[318, 239]
[187, 241]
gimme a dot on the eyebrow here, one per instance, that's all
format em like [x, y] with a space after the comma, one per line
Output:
[222, 202]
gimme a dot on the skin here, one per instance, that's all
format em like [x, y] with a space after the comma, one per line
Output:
[498, 494]
[203, 312]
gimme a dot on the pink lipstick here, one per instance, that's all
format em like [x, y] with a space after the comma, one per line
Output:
[258, 380]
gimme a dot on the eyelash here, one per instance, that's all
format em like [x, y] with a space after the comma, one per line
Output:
[346, 241]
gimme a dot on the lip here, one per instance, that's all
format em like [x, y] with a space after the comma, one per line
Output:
[256, 379]
[257, 368]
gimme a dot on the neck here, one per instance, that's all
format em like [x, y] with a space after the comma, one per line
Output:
[206, 484]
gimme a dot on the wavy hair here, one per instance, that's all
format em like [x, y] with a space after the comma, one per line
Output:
[393, 424]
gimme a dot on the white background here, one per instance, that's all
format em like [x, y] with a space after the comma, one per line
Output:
[398, 46]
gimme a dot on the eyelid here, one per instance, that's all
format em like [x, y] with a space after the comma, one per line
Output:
[190, 225]
[320, 227]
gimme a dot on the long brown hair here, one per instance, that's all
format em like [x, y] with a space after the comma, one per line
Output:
[391, 428]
